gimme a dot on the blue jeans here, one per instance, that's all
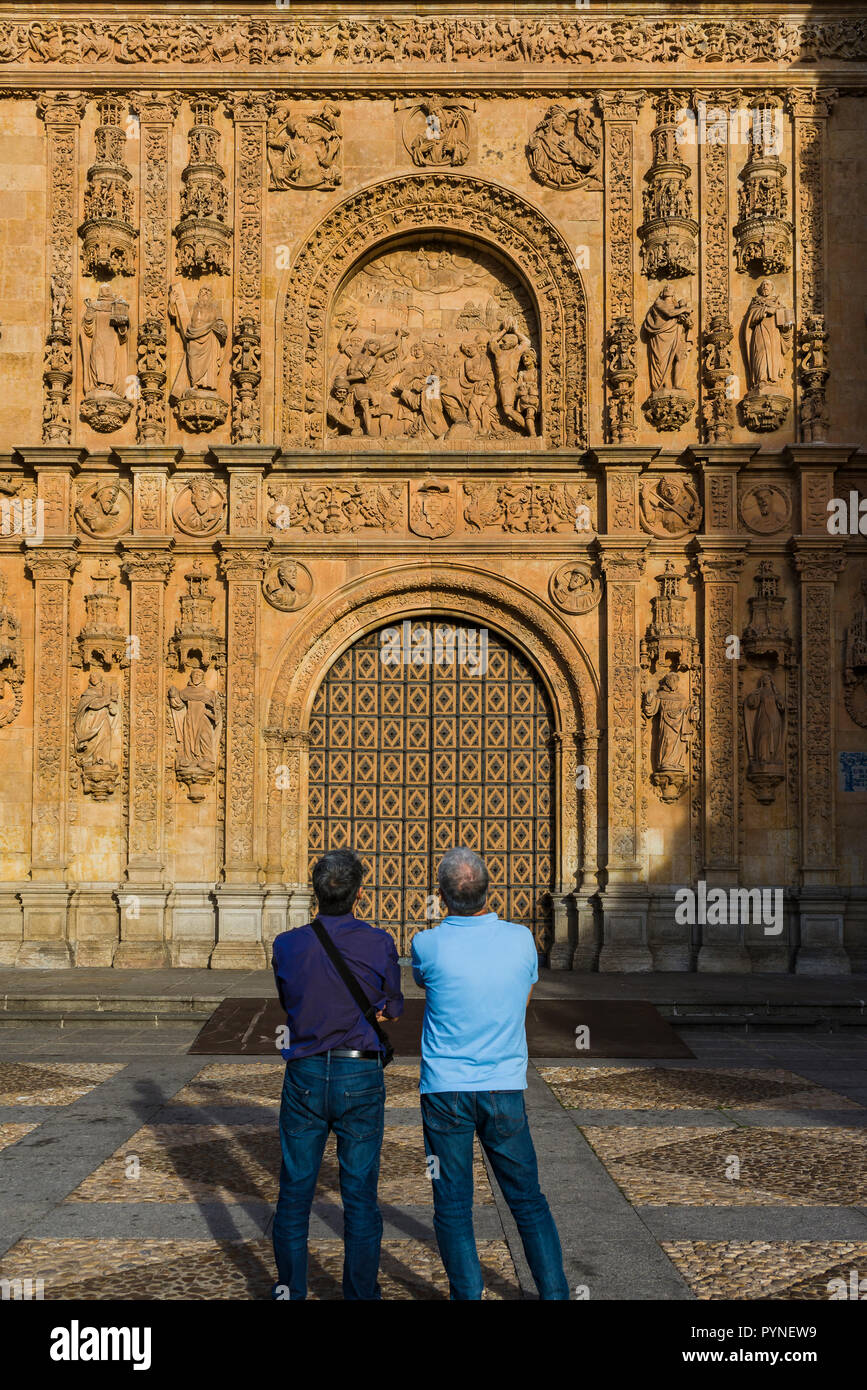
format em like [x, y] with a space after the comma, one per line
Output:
[321, 1093]
[451, 1119]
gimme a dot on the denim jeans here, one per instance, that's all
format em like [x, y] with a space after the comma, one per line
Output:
[321, 1093]
[451, 1119]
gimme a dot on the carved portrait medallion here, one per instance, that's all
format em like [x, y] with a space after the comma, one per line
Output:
[669, 508]
[436, 131]
[432, 508]
[765, 508]
[288, 585]
[199, 506]
[103, 508]
[574, 589]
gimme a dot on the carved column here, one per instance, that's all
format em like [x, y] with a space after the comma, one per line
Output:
[148, 566]
[46, 900]
[620, 112]
[250, 116]
[157, 111]
[723, 947]
[62, 113]
[239, 897]
[717, 413]
[589, 938]
[625, 898]
[810, 108]
[820, 901]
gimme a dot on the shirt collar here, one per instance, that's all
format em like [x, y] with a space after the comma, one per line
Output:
[343, 920]
[486, 917]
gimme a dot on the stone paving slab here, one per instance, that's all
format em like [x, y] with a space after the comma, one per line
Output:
[755, 1223]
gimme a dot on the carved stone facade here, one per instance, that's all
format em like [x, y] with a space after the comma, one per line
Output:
[423, 429]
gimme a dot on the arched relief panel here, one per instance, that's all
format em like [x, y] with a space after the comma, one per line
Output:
[387, 598]
[502, 226]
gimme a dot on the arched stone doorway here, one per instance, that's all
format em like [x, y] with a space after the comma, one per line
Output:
[428, 734]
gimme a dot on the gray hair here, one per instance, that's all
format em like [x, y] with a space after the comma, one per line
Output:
[463, 881]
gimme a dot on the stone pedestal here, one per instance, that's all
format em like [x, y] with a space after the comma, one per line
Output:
[589, 937]
[821, 951]
[142, 927]
[11, 924]
[193, 930]
[44, 940]
[562, 948]
[94, 928]
[239, 929]
[624, 930]
[670, 941]
[275, 915]
[300, 905]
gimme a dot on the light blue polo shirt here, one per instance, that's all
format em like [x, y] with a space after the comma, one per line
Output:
[477, 972]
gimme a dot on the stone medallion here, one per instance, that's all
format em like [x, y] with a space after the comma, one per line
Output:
[765, 508]
[432, 508]
[573, 588]
[103, 508]
[199, 507]
[288, 585]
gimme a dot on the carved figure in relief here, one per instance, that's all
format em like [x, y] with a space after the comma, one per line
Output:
[104, 332]
[204, 333]
[564, 149]
[764, 712]
[667, 324]
[669, 709]
[95, 721]
[340, 409]
[288, 585]
[196, 715]
[765, 324]
[304, 151]
[574, 589]
[198, 507]
[104, 509]
[444, 137]
[765, 508]
[669, 507]
[507, 347]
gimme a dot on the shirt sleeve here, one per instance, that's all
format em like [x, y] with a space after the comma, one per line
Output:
[393, 992]
[278, 982]
[534, 961]
[417, 965]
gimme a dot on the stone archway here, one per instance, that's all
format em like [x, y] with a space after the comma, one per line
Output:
[450, 591]
[474, 210]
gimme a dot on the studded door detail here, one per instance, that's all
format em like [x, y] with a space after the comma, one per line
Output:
[411, 755]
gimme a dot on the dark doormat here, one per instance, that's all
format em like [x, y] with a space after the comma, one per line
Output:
[248, 1027]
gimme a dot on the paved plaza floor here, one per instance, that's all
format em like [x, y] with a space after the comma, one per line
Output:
[131, 1170]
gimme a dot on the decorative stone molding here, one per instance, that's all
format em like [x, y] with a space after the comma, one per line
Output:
[243, 567]
[668, 232]
[717, 414]
[854, 662]
[810, 108]
[620, 112]
[441, 202]
[157, 112]
[107, 232]
[62, 113]
[762, 233]
[204, 236]
[623, 565]
[249, 117]
[12, 665]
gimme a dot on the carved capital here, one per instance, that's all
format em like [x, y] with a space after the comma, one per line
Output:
[61, 108]
[156, 107]
[822, 564]
[242, 564]
[721, 566]
[621, 105]
[49, 563]
[623, 565]
[148, 565]
[811, 102]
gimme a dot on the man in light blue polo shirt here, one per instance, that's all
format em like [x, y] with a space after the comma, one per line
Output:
[479, 973]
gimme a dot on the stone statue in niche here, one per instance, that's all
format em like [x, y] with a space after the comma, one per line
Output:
[564, 150]
[103, 337]
[194, 394]
[766, 328]
[764, 722]
[436, 132]
[669, 507]
[669, 709]
[304, 151]
[666, 328]
[197, 717]
[96, 719]
[432, 343]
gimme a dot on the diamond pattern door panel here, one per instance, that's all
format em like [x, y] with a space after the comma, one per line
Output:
[409, 757]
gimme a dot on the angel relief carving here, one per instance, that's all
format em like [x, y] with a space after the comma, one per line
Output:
[432, 343]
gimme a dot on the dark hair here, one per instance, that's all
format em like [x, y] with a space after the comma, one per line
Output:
[337, 877]
[463, 881]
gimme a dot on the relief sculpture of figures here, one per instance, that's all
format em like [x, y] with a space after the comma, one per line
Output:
[564, 150]
[766, 328]
[666, 327]
[304, 151]
[434, 343]
[95, 721]
[669, 709]
[11, 659]
[764, 716]
[204, 333]
[669, 507]
[103, 338]
[197, 718]
[436, 132]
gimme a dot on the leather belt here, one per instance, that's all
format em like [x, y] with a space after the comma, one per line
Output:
[346, 1052]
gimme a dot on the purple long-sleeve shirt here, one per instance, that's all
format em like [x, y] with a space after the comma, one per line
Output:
[320, 1011]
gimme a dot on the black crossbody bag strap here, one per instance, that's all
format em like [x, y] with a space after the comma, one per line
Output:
[368, 1010]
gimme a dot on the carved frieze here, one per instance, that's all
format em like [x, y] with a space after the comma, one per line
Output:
[565, 149]
[305, 150]
[107, 232]
[532, 508]
[333, 509]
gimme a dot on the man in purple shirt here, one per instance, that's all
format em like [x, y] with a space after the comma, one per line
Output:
[333, 1078]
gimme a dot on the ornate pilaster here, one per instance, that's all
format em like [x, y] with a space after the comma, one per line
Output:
[239, 934]
[62, 113]
[625, 900]
[46, 900]
[717, 413]
[620, 112]
[250, 117]
[810, 108]
[821, 950]
[148, 566]
[157, 111]
[589, 937]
